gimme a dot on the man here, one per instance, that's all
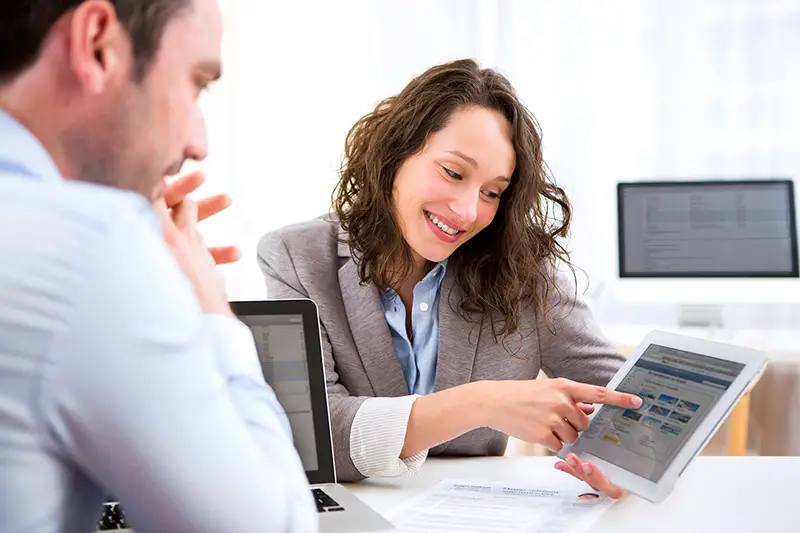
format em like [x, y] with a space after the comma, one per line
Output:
[122, 368]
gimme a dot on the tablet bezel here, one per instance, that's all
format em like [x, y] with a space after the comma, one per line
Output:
[754, 363]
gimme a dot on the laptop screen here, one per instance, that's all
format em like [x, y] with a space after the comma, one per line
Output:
[287, 337]
[281, 344]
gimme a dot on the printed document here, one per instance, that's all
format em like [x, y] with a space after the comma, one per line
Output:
[460, 506]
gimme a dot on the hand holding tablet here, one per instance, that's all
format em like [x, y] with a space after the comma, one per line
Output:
[689, 386]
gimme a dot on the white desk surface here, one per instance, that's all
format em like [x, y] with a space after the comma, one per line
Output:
[714, 495]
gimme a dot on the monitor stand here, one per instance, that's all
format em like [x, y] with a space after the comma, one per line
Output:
[700, 316]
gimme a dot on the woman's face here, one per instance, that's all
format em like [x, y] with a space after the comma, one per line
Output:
[450, 190]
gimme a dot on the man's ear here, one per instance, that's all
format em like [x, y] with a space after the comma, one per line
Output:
[99, 48]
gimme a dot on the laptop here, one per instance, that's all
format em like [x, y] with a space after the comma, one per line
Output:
[287, 337]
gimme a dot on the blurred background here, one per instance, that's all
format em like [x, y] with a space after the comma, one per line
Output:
[624, 90]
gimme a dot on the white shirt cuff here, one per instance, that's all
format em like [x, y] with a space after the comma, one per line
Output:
[377, 437]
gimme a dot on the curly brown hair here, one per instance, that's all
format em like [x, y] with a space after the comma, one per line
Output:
[510, 264]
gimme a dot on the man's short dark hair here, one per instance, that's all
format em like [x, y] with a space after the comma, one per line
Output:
[24, 25]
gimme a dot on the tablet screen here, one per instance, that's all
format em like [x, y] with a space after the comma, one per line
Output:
[678, 389]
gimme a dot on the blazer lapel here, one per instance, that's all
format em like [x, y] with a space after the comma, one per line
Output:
[365, 313]
[458, 339]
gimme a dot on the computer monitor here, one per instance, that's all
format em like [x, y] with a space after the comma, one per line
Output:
[707, 229]
[699, 250]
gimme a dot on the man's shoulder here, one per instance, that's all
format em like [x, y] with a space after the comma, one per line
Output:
[312, 240]
[73, 204]
[65, 239]
[69, 225]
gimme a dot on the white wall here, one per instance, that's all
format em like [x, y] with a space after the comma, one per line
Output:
[297, 76]
[623, 89]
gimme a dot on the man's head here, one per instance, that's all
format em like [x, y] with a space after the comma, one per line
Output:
[111, 87]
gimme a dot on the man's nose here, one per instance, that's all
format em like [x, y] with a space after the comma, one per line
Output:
[197, 148]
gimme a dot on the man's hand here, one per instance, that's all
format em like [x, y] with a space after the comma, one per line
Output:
[178, 190]
[588, 472]
[187, 245]
[179, 216]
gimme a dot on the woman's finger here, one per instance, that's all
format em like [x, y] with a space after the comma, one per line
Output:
[563, 466]
[566, 433]
[575, 463]
[552, 443]
[576, 472]
[598, 481]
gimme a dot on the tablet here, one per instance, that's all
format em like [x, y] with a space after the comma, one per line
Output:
[688, 387]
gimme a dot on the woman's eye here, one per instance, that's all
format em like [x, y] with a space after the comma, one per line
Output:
[454, 175]
[491, 194]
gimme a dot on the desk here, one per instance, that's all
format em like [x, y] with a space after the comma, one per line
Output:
[715, 494]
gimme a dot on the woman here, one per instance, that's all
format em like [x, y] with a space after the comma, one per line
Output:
[444, 208]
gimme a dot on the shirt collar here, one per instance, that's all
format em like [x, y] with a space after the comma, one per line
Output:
[438, 272]
[22, 153]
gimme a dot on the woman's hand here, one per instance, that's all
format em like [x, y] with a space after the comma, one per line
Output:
[588, 472]
[549, 412]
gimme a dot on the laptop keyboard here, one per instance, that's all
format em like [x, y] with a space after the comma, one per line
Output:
[114, 518]
[325, 504]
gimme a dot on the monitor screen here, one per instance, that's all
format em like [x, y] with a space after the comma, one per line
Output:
[281, 344]
[707, 229]
[679, 389]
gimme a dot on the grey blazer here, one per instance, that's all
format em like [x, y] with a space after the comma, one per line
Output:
[307, 261]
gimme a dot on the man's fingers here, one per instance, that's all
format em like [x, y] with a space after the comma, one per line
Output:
[225, 254]
[180, 188]
[584, 393]
[211, 206]
[161, 210]
[167, 224]
[185, 214]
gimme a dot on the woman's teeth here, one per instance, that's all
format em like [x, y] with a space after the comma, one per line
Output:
[442, 225]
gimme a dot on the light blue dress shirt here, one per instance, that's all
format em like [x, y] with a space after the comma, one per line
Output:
[112, 379]
[418, 356]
